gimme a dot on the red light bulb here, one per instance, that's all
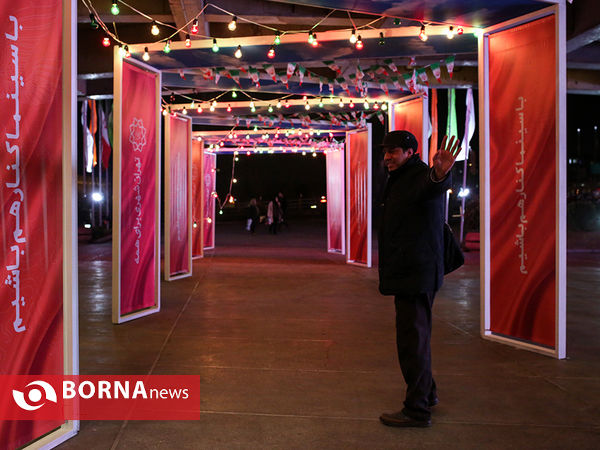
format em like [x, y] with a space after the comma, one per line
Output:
[106, 42]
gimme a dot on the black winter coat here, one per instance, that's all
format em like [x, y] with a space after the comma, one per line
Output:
[411, 239]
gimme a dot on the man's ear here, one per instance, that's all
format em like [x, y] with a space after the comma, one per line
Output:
[410, 152]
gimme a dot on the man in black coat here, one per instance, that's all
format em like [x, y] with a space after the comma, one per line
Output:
[411, 262]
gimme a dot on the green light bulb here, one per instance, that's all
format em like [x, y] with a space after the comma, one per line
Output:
[277, 39]
[234, 94]
[215, 47]
[114, 9]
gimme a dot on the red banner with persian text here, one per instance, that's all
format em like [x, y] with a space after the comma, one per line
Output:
[138, 189]
[523, 182]
[179, 154]
[335, 201]
[197, 193]
[357, 147]
[409, 116]
[210, 186]
[31, 195]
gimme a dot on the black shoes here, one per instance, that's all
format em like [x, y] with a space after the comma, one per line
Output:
[433, 401]
[399, 419]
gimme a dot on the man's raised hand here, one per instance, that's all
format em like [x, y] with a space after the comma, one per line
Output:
[445, 157]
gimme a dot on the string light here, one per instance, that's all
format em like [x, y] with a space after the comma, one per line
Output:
[341, 102]
[314, 43]
[233, 94]
[228, 108]
[199, 109]
[194, 29]
[126, 50]
[238, 52]
[114, 9]
[278, 104]
[106, 42]
[383, 106]
[311, 38]
[450, 32]
[366, 104]
[321, 102]
[146, 56]
[215, 47]
[381, 39]
[167, 47]
[359, 43]
[188, 41]
[184, 111]
[233, 24]
[251, 104]
[212, 108]
[154, 30]
[277, 39]
[376, 105]
[271, 53]
[351, 104]
[270, 109]
[307, 106]
[287, 105]
[214, 103]
[353, 37]
[422, 34]
[460, 30]
[193, 105]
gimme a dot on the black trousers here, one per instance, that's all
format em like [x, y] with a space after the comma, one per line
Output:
[413, 339]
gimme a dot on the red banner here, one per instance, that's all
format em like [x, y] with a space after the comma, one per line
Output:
[179, 234]
[409, 116]
[31, 195]
[335, 201]
[359, 192]
[99, 397]
[210, 186]
[197, 193]
[138, 189]
[523, 182]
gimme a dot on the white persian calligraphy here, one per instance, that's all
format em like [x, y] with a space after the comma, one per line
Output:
[520, 189]
[13, 276]
[137, 138]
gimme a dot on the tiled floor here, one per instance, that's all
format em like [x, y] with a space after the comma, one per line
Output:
[295, 349]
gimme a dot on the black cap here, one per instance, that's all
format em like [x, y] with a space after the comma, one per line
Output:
[400, 138]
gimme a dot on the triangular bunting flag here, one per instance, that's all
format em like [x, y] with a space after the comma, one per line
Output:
[423, 76]
[390, 64]
[301, 72]
[437, 73]
[450, 65]
[270, 69]
[291, 67]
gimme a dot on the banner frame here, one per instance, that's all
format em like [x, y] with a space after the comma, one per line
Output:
[425, 119]
[201, 225]
[117, 318]
[214, 216]
[342, 251]
[69, 216]
[167, 198]
[559, 351]
[369, 262]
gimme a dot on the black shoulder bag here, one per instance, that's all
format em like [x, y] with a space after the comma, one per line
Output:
[453, 255]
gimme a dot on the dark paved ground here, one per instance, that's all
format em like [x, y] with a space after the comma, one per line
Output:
[296, 350]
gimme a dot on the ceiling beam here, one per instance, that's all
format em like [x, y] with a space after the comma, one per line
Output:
[128, 18]
[183, 12]
[583, 39]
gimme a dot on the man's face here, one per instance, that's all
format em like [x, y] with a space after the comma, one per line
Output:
[395, 158]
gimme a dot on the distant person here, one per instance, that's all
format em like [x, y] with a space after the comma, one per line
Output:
[253, 216]
[283, 206]
[411, 263]
[273, 215]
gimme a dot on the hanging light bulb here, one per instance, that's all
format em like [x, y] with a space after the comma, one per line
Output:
[212, 108]
[146, 56]
[307, 106]
[199, 109]
[383, 106]
[366, 104]
[184, 111]
[193, 105]
[287, 105]
[341, 102]
[450, 32]
[214, 103]
[351, 104]
[164, 111]
[255, 128]
[228, 108]
[353, 37]
[381, 39]
[215, 47]
[194, 29]
[422, 34]
[188, 41]
[126, 50]
[311, 38]
[114, 9]
[270, 109]
[106, 42]
[154, 30]
[315, 43]
[271, 52]
[93, 22]
[278, 104]
[238, 52]
[321, 102]
[277, 39]
[376, 105]
[460, 30]
[167, 47]
[359, 43]
[233, 24]
[251, 103]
